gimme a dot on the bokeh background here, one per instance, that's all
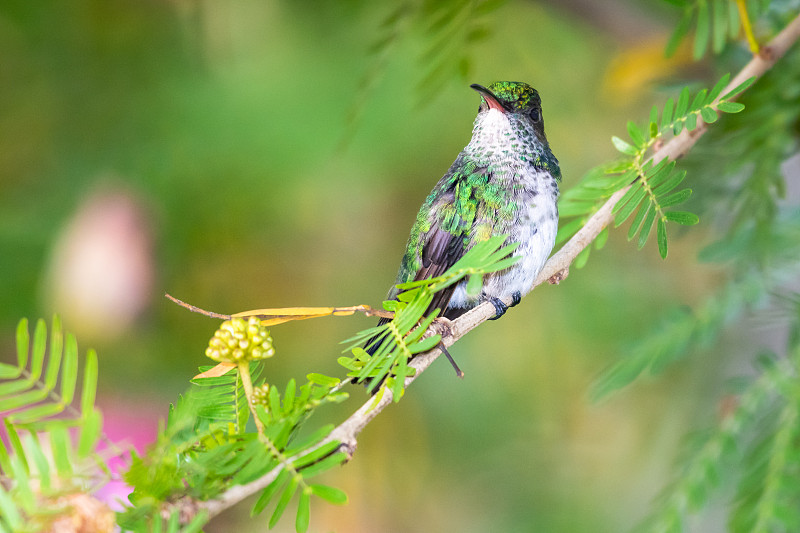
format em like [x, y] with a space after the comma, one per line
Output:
[252, 154]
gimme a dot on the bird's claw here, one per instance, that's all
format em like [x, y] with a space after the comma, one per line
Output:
[500, 307]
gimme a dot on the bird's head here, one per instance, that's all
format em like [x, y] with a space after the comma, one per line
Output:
[513, 98]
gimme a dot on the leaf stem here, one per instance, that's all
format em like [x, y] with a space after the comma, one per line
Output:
[748, 27]
[247, 383]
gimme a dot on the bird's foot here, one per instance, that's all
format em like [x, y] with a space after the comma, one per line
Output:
[500, 307]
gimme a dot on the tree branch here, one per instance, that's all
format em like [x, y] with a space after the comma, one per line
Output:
[556, 267]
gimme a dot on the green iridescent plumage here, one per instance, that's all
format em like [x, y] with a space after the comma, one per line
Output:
[505, 181]
[515, 95]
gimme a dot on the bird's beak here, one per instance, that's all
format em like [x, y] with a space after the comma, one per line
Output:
[490, 99]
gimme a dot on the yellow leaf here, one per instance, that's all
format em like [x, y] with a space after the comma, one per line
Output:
[279, 315]
[219, 370]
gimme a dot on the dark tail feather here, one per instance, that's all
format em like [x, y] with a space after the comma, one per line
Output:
[440, 301]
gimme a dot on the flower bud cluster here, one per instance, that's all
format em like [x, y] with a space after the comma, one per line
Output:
[240, 340]
[261, 394]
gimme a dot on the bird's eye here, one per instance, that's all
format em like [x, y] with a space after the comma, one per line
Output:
[535, 115]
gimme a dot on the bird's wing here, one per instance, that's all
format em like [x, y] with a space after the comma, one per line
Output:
[433, 251]
[440, 251]
[451, 216]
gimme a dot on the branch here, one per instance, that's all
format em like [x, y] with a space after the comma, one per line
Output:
[555, 269]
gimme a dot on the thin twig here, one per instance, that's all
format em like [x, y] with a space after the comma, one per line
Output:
[195, 309]
[347, 432]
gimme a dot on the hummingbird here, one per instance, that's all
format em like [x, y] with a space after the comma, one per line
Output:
[505, 181]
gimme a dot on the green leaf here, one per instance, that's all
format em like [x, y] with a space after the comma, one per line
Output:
[622, 146]
[407, 296]
[682, 217]
[289, 397]
[326, 381]
[310, 440]
[582, 258]
[9, 511]
[653, 116]
[23, 399]
[699, 98]
[653, 131]
[666, 117]
[601, 239]
[617, 376]
[632, 198]
[269, 492]
[739, 88]
[174, 522]
[675, 198]
[39, 347]
[89, 387]
[23, 343]
[420, 330]
[670, 183]
[621, 165]
[647, 225]
[683, 103]
[636, 134]
[16, 446]
[303, 512]
[5, 458]
[274, 401]
[661, 234]
[37, 412]
[733, 23]
[730, 107]
[397, 382]
[325, 464]
[197, 523]
[283, 502]
[681, 30]
[657, 174]
[720, 25]
[691, 121]
[60, 446]
[69, 374]
[708, 114]
[329, 494]
[428, 343]
[8, 371]
[56, 352]
[638, 219]
[89, 432]
[34, 448]
[315, 455]
[703, 30]
[723, 81]
[568, 230]
[474, 284]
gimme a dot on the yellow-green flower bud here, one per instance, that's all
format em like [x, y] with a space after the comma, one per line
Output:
[261, 394]
[240, 340]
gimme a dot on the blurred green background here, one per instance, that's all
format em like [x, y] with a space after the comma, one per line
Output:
[252, 154]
